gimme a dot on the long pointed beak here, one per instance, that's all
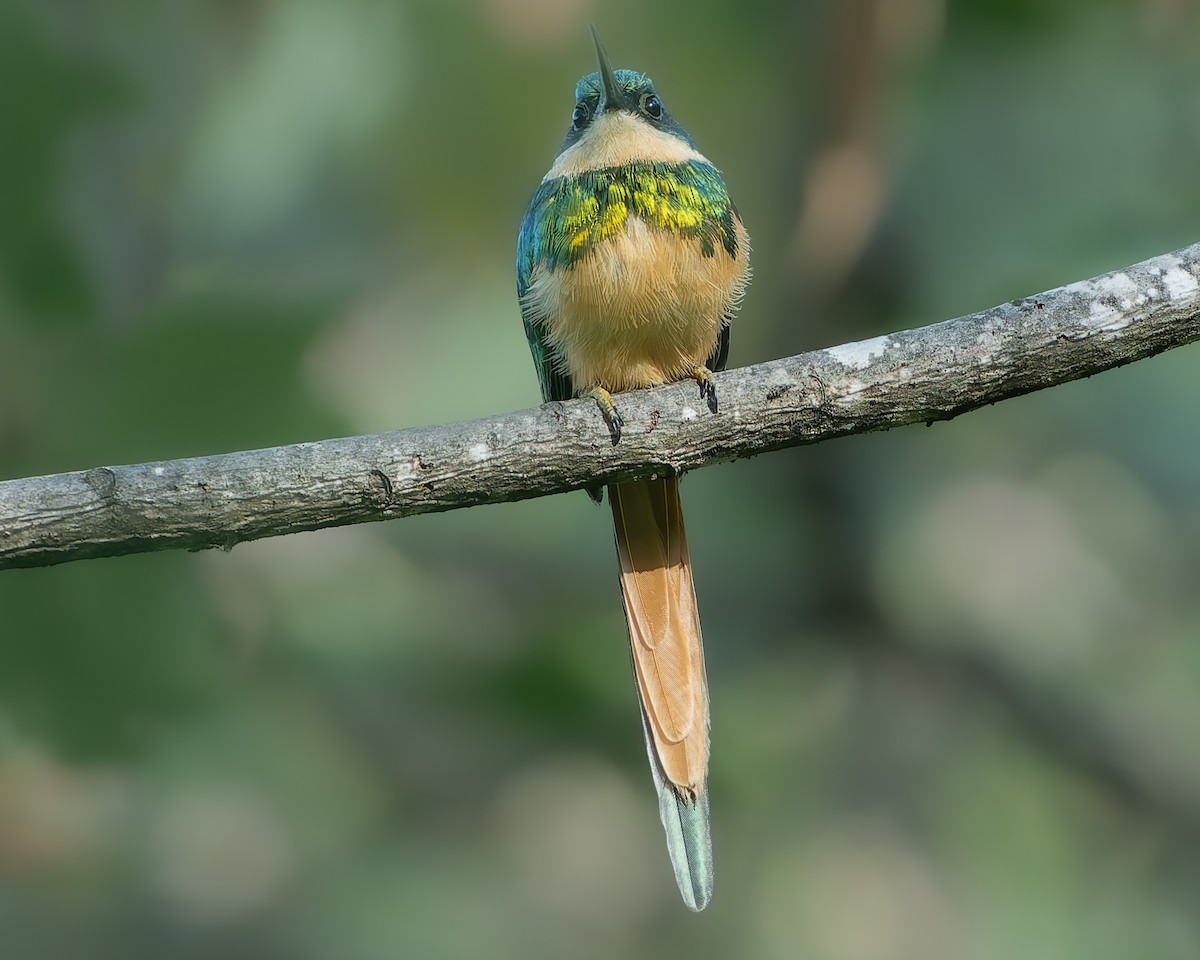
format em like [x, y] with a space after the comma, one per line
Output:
[610, 93]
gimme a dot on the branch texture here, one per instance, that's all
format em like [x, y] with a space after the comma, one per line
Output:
[930, 373]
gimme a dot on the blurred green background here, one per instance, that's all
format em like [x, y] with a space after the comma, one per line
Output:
[955, 672]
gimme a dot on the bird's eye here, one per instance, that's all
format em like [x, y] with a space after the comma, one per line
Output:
[652, 106]
[580, 116]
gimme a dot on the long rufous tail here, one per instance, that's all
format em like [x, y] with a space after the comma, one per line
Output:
[668, 665]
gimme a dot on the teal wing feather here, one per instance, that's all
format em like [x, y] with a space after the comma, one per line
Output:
[533, 245]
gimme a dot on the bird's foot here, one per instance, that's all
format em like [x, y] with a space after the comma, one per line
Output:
[708, 386]
[608, 408]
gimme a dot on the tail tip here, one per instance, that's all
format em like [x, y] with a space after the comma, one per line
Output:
[689, 842]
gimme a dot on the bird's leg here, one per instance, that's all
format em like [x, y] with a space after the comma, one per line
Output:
[708, 387]
[608, 408]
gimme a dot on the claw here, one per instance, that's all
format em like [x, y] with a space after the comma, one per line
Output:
[708, 386]
[608, 409]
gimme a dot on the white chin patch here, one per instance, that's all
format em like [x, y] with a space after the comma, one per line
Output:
[616, 138]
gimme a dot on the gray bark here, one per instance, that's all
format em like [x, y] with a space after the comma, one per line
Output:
[921, 375]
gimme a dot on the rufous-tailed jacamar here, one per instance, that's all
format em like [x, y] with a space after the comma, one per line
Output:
[631, 261]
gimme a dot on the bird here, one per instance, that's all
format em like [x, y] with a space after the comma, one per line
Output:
[631, 262]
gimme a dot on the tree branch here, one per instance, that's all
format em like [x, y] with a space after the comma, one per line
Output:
[929, 373]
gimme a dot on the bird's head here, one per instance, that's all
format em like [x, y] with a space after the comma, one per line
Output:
[619, 118]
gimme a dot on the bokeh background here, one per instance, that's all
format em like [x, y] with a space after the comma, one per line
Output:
[955, 671]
